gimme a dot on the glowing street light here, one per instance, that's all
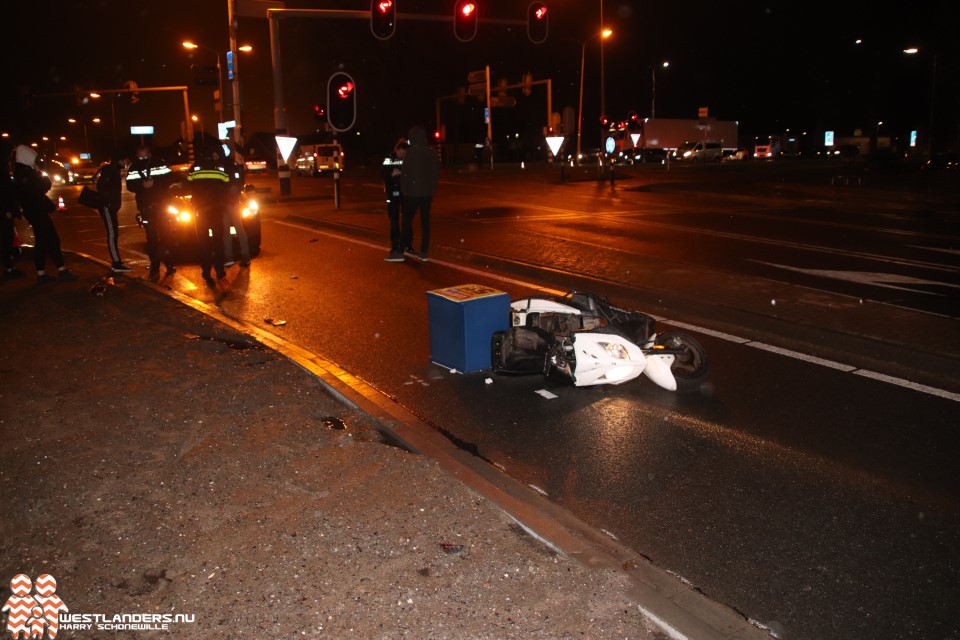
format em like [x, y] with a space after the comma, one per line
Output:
[604, 34]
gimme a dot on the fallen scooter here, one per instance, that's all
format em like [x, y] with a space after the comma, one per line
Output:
[583, 338]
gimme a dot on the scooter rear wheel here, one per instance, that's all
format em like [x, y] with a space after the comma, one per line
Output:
[690, 365]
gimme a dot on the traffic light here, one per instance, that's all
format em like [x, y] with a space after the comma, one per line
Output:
[319, 111]
[465, 20]
[341, 101]
[383, 18]
[537, 22]
[604, 121]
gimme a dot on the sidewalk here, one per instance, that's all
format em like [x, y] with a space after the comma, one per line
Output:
[159, 461]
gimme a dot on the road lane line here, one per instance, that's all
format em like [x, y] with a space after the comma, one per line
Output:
[839, 366]
[933, 391]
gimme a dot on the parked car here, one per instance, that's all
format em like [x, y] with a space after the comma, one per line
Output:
[180, 233]
[255, 164]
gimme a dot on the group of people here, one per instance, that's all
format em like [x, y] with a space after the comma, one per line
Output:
[215, 185]
[24, 192]
[410, 177]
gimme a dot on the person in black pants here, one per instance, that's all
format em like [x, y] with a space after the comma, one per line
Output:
[9, 210]
[391, 185]
[109, 186]
[149, 178]
[211, 189]
[418, 181]
[31, 188]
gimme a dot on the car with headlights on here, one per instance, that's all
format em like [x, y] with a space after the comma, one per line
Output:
[180, 233]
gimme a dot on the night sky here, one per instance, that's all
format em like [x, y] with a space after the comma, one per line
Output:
[772, 66]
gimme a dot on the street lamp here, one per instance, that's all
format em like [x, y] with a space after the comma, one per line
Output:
[653, 89]
[192, 45]
[604, 34]
[911, 51]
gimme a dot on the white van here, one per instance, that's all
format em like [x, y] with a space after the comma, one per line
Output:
[698, 152]
[318, 159]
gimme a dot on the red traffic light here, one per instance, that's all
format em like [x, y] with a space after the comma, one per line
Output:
[319, 111]
[341, 101]
[344, 90]
[465, 20]
[537, 22]
[383, 18]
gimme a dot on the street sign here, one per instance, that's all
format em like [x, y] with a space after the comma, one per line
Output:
[477, 76]
[611, 145]
[702, 112]
[286, 144]
[144, 130]
[554, 142]
[503, 101]
[477, 89]
[229, 65]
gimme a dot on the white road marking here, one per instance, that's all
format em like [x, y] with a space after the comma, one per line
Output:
[872, 278]
[915, 386]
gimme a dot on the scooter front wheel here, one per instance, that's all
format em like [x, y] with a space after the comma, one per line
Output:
[690, 365]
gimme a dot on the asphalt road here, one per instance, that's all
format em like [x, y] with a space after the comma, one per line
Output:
[820, 502]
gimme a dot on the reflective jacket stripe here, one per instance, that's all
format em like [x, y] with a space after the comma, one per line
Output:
[208, 174]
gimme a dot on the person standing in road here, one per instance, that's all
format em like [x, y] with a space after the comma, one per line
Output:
[31, 188]
[233, 217]
[211, 191]
[110, 186]
[418, 181]
[9, 211]
[391, 185]
[148, 179]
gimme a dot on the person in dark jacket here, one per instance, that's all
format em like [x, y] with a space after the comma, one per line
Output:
[110, 186]
[211, 189]
[9, 211]
[418, 181]
[149, 179]
[31, 188]
[391, 185]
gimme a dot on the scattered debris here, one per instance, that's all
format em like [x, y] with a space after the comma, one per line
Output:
[314, 239]
[100, 288]
[332, 422]
[546, 394]
[451, 548]
[275, 323]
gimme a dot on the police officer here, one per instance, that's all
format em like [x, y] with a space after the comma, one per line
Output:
[391, 185]
[148, 178]
[212, 190]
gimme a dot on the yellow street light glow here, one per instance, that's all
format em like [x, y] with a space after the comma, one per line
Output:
[190, 45]
[245, 48]
[606, 33]
[911, 50]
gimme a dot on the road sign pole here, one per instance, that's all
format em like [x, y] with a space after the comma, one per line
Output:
[490, 114]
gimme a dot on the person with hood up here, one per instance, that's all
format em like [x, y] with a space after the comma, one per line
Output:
[31, 186]
[109, 186]
[418, 182]
[9, 211]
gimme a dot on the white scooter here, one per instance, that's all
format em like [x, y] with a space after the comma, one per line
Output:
[586, 339]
